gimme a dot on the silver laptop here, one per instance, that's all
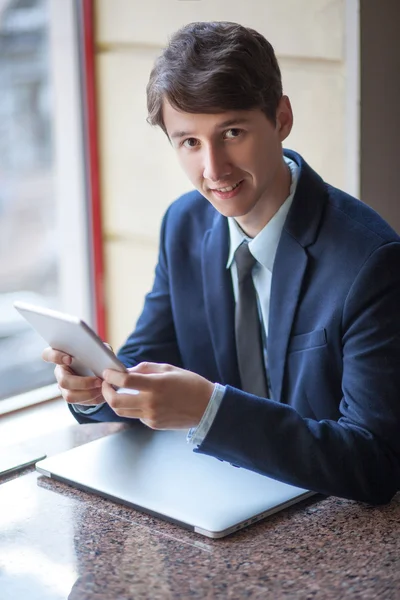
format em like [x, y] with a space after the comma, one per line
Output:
[158, 473]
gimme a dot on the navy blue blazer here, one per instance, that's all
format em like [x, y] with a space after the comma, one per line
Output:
[333, 423]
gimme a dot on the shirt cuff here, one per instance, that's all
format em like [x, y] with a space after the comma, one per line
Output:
[197, 434]
[86, 410]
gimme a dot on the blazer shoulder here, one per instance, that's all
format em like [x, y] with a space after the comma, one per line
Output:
[191, 210]
[360, 218]
[189, 201]
[320, 208]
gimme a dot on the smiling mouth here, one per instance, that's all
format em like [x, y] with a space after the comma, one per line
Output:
[226, 189]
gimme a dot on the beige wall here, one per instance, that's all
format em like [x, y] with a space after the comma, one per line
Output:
[140, 175]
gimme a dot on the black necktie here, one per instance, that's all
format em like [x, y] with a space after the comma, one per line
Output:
[248, 327]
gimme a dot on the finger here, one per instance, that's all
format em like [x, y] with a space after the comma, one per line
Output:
[135, 381]
[86, 398]
[117, 399]
[56, 356]
[150, 367]
[68, 380]
[124, 405]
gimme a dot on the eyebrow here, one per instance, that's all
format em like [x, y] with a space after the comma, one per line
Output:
[228, 123]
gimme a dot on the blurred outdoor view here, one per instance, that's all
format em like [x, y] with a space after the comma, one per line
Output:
[28, 236]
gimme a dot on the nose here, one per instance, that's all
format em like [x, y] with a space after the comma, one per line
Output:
[216, 164]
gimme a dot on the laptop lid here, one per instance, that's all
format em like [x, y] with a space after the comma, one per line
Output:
[157, 472]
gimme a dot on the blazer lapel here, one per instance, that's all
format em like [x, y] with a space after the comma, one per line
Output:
[219, 300]
[287, 277]
[299, 232]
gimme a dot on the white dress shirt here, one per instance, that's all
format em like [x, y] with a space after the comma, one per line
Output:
[263, 247]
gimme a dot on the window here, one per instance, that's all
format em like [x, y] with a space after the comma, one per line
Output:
[44, 252]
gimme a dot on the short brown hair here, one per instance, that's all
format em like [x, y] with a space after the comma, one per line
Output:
[212, 67]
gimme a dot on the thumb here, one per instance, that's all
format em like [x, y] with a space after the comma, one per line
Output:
[150, 367]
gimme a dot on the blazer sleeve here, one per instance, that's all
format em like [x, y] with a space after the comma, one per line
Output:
[154, 337]
[358, 456]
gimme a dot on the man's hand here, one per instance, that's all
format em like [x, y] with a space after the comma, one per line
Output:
[168, 398]
[74, 388]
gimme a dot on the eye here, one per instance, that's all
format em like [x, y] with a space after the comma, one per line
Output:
[190, 143]
[230, 134]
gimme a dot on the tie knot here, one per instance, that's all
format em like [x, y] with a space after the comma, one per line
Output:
[245, 261]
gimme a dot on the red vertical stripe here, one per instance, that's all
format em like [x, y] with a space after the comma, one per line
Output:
[93, 163]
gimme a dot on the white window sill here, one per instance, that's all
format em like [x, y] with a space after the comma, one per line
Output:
[34, 422]
[31, 398]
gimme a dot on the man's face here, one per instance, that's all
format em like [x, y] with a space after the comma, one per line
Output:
[234, 159]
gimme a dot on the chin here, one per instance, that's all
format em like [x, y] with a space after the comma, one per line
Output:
[227, 208]
[233, 211]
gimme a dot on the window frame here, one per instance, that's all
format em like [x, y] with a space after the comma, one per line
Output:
[71, 180]
[76, 175]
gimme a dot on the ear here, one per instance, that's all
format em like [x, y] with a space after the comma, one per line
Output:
[284, 118]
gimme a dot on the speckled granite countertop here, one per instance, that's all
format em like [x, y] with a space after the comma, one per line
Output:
[57, 543]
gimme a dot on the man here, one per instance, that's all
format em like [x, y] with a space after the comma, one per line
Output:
[272, 329]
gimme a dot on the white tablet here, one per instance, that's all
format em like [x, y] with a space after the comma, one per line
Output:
[72, 336]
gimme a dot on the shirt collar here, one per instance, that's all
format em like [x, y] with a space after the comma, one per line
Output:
[264, 246]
